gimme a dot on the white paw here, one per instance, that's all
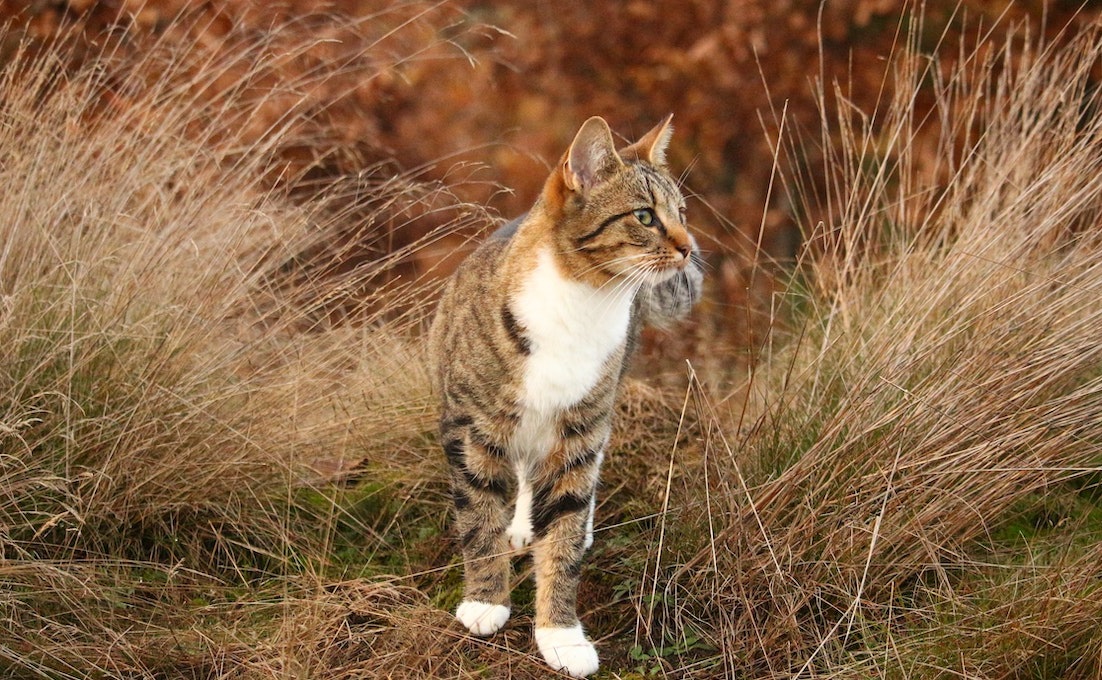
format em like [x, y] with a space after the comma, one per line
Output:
[567, 649]
[519, 533]
[481, 618]
[588, 540]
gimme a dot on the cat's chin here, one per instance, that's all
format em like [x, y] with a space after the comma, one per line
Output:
[662, 275]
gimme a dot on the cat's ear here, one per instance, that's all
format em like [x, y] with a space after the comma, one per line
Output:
[651, 147]
[591, 157]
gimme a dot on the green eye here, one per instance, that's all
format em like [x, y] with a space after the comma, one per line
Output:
[645, 216]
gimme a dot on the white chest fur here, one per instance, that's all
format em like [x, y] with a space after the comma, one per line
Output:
[573, 330]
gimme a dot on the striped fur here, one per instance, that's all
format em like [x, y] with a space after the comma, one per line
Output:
[530, 341]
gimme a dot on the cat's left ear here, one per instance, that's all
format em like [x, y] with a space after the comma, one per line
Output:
[651, 147]
[592, 156]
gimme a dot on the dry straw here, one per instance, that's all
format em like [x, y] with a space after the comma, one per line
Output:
[943, 375]
[179, 362]
[173, 375]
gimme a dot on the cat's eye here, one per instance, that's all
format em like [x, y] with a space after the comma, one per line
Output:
[646, 217]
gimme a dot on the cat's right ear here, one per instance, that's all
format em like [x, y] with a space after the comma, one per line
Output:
[592, 156]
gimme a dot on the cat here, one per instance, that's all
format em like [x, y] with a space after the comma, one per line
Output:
[530, 341]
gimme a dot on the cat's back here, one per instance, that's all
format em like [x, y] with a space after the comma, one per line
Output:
[474, 340]
[479, 273]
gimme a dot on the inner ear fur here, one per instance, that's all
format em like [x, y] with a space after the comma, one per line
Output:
[651, 147]
[592, 156]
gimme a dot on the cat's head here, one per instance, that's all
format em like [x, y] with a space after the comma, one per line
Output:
[618, 213]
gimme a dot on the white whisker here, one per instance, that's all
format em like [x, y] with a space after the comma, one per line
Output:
[607, 263]
[628, 282]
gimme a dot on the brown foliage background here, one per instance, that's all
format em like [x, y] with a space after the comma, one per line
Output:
[483, 95]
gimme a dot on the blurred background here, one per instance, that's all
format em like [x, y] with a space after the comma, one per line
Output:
[481, 97]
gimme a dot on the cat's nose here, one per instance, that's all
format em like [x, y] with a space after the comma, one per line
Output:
[685, 249]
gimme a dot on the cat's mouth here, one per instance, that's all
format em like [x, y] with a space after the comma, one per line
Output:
[665, 269]
[653, 270]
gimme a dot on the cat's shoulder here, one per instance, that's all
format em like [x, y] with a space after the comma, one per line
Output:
[505, 232]
[485, 261]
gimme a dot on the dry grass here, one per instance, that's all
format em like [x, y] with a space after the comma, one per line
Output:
[903, 488]
[173, 378]
[944, 373]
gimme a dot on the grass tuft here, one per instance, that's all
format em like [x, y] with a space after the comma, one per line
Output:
[940, 379]
[178, 369]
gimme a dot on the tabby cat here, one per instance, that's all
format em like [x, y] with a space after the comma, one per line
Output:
[530, 342]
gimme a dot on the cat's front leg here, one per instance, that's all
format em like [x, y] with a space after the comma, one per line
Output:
[560, 514]
[479, 477]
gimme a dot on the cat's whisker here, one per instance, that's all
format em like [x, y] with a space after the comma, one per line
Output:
[697, 260]
[617, 260]
[685, 173]
[642, 274]
[636, 279]
[629, 281]
[620, 285]
[621, 275]
[628, 276]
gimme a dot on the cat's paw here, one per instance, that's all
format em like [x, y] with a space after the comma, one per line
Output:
[567, 649]
[519, 533]
[588, 540]
[481, 618]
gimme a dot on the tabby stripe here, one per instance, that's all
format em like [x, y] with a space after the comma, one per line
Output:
[453, 450]
[488, 342]
[653, 200]
[512, 328]
[490, 485]
[604, 225]
[586, 459]
[576, 429]
[651, 173]
[469, 535]
[650, 189]
[460, 498]
[457, 421]
[485, 442]
[573, 568]
[465, 393]
[546, 511]
[595, 399]
[485, 585]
